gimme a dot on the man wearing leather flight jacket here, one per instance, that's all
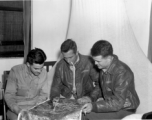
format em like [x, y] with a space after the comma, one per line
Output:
[74, 74]
[118, 95]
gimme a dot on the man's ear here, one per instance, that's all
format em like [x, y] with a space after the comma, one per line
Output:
[108, 57]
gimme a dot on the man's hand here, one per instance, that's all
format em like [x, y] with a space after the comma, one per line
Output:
[84, 100]
[87, 108]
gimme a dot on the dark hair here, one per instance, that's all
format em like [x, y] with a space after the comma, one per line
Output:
[102, 47]
[67, 45]
[36, 56]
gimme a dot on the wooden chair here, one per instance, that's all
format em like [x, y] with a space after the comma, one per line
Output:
[4, 82]
[47, 65]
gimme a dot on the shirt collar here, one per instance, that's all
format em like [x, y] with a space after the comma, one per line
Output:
[78, 58]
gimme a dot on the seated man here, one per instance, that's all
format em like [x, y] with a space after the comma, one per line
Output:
[74, 74]
[26, 84]
[119, 97]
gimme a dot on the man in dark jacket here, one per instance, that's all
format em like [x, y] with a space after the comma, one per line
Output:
[74, 74]
[118, 96]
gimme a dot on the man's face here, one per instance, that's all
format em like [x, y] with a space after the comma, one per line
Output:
[35, 69]
[70, 56]
[101, 62]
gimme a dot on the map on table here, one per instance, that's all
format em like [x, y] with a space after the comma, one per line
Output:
[62, 109]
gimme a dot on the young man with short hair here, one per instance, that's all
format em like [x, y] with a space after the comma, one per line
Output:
[116, 82]
[26, 84]
[74, 74]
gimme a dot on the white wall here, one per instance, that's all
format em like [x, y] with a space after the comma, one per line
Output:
[50, 21]
[139, 15]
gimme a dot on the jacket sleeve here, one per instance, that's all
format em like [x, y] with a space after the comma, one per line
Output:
[10, 92]
[56, 84]
[96, 92]
[94, 74]
[88, 87]
[116, 101]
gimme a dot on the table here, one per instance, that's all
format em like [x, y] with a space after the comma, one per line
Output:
[62, 109]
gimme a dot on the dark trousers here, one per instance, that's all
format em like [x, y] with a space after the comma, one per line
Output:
[106, 116]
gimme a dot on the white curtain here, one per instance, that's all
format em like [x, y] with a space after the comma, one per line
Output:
[150, 38]
[92, 20]
[27, 27]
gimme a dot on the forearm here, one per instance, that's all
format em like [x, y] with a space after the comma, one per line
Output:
[54, 93]
[56, 83]
[12, 105]
[10, 99]
[56, 88]
[110, 105]
[95, 94]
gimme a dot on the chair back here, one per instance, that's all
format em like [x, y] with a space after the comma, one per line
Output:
[5, 76]
[49, 64]
[4, 82]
